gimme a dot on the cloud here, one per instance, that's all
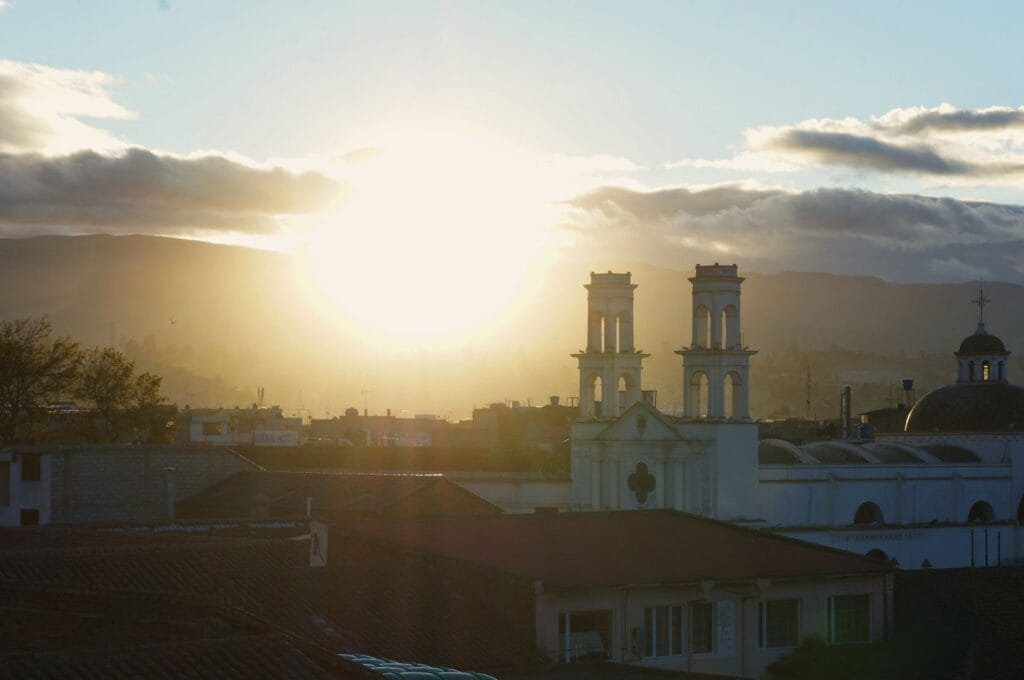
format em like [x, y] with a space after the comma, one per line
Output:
[945, 118]
[958, 145]
[41, 109]
[140, 191]
[897, 236]
[858, 151]
[956, 269]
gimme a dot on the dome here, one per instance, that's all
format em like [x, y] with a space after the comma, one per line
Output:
[982, 342]
[969, 407]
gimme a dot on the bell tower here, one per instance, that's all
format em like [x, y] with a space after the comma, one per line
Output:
[716, 365]
[610, 367]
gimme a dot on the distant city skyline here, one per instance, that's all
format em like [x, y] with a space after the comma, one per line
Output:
[425, 145]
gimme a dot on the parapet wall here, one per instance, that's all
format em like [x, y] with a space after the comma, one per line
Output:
[129, 484]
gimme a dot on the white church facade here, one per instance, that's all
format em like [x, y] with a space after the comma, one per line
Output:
[946, 493]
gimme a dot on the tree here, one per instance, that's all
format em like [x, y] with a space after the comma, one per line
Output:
[149, 413]
[107, 382]
[34, 371]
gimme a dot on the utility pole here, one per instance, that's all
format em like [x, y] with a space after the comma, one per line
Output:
[807, 414]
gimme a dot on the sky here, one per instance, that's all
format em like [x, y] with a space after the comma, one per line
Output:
[429, 144]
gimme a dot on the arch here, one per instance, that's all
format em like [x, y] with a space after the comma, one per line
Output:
[732, 389]
[699, 393]
[981, 512]
[1002, 371]
[730, 327]
[623, 388]
[702, 326]
[1020, 510]
[624, 331]
[868, 513]
[596, 393]
[970, 371]
[986, 371]
[877, 554]
[595, 331]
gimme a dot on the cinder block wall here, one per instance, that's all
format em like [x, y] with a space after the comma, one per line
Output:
[129, 483]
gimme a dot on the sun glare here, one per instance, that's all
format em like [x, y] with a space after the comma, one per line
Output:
[434, 240]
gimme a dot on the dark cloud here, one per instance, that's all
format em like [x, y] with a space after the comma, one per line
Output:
[959, 120]
[669, 202]
[859, 151]
[143, 191]
[841, 148]
[896, 236]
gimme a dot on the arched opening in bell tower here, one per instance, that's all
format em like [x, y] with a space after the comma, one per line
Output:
[702, 326]
[624, 332]
[730, 327]
[970, 371]
[624, 388]
[732, 390]
[699, 385]
[596, 393]
[986, 371]
[595, 331]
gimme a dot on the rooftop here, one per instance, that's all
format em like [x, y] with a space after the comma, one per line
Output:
[284, 494]
[595, 549]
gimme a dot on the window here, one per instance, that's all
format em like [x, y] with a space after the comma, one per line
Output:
[981, 512]
[5, 483]
[585, 635]
[31, 470]
[702, 627]
[868, 513]
[211, 429]
[663, 631]
[849, 618]
[986, 371]
[779, 623]
[29, 517]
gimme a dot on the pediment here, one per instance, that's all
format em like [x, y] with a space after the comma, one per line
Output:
[641, 421]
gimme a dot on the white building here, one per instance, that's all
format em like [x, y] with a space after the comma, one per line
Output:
[948, 492]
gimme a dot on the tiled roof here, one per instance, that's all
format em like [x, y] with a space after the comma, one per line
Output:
[589, 549]
[175, 567]
[285, 494]
[234, 657]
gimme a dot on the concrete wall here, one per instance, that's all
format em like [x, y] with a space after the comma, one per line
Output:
[112, 483]
[819, 495]
[942, 546]
[516, 492]
[705, 467]
[737, 651]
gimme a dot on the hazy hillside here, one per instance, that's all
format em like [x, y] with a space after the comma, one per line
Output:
[220, 321]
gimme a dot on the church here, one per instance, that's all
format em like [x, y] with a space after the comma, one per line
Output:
[946, 492]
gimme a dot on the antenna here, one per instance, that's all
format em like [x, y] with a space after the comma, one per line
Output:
[807, 415]
[365, 393]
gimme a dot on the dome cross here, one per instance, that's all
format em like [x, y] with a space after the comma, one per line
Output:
[981, 301]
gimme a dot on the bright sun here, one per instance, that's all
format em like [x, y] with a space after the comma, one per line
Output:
[435, 238]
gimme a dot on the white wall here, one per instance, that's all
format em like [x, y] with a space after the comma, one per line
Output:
[743, 657]
[25, 494]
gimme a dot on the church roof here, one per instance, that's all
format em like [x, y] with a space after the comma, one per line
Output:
[969, 407]
[981, 342]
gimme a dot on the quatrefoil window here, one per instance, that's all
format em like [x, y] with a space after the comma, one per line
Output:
[641, 483]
